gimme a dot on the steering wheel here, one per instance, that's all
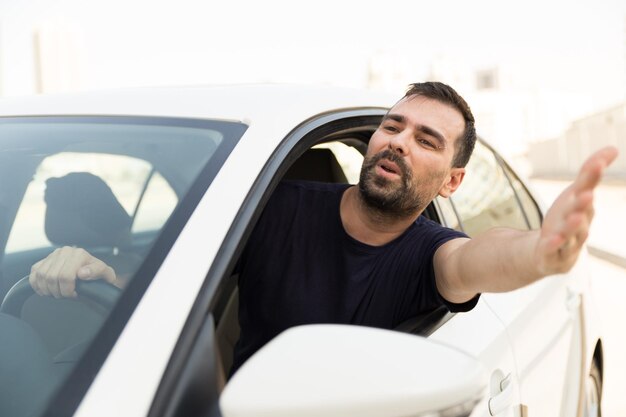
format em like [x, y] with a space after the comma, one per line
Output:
[26, 361]
[98, 291]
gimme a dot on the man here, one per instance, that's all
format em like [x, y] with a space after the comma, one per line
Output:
[362, 254]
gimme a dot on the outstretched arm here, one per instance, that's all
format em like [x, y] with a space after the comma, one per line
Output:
[506, 259]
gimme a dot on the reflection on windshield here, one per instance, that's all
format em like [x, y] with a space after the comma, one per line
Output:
[75, 192]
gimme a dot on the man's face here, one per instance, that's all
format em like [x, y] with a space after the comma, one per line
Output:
[409, 157]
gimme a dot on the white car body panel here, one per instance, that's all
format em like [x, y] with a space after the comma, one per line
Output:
[272, 104]
[481, 334]
[539, 312]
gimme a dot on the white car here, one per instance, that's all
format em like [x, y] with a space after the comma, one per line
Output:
[166, 185]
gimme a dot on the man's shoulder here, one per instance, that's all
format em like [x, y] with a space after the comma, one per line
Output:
[424, 226]
[424, 221]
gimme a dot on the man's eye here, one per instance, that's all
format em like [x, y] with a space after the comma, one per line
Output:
[390, 128]
[427, 143]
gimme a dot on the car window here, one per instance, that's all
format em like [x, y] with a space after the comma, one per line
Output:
[349, 158]
[486, 199]
[448, 213]
[526, 200]
[155, 205]
[109, 185]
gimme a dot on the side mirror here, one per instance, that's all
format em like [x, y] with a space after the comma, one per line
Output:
[341, 370]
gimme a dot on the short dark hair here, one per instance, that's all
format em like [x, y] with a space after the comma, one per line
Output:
[447, 95]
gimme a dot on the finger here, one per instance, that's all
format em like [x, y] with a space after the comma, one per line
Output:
[592, 169]
[67, 283]
[578, 204]
[591, 212]
[57, 272]
[552, 244]
[581, 238]
[576, 241]
[97, 270]
[607, 154]
[584, 205]
[75, 259]
[584, 200]
[40, 276]
[32, 277]
[573, 225]
[52, 285]
[46, 270]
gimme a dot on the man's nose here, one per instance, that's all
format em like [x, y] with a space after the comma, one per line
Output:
[399, 143]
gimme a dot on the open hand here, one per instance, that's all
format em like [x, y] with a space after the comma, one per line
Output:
[56, 274]
[566, 224]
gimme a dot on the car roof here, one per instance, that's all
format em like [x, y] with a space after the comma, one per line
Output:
[245, 103]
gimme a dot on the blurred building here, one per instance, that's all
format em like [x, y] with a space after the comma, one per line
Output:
[57, 59]
[38, 58]
[563, 155]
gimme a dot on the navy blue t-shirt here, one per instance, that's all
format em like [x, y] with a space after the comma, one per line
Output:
[301, 267]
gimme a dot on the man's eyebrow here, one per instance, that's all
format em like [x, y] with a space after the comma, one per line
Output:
[422, 128]
[395, 117]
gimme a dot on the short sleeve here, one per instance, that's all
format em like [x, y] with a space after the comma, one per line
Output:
[435, 236]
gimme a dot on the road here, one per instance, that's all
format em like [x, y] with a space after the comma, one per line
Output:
[609, 283]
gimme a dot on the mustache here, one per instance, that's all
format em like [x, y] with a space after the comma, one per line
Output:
[393, 157]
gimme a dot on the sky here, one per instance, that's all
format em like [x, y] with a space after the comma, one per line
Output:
[567, 48]
[131, 42]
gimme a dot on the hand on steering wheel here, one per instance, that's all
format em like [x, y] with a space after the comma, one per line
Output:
[60, 274]
[56, 274]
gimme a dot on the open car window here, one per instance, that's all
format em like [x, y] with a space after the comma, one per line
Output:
[110, 185]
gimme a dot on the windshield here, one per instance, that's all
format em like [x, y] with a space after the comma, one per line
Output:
[119, 188]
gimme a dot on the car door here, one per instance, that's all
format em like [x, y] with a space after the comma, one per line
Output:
[541, 319]
[481, 333]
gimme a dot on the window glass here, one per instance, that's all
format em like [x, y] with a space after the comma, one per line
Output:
[449, 216]
[528, 203]
[111, 186]
[156, 205]
[485, 199]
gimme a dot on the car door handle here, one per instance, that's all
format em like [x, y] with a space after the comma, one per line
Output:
[504, 399]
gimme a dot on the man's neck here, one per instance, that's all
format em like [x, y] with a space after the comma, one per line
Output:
[368, 225]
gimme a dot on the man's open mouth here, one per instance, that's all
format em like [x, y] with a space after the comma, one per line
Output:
[389, 166]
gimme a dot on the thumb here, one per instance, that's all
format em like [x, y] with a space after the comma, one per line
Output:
[96, 270]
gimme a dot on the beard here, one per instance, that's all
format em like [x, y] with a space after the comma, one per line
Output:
[398, 199]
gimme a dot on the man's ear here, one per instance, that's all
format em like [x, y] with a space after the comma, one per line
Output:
[453, 182]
